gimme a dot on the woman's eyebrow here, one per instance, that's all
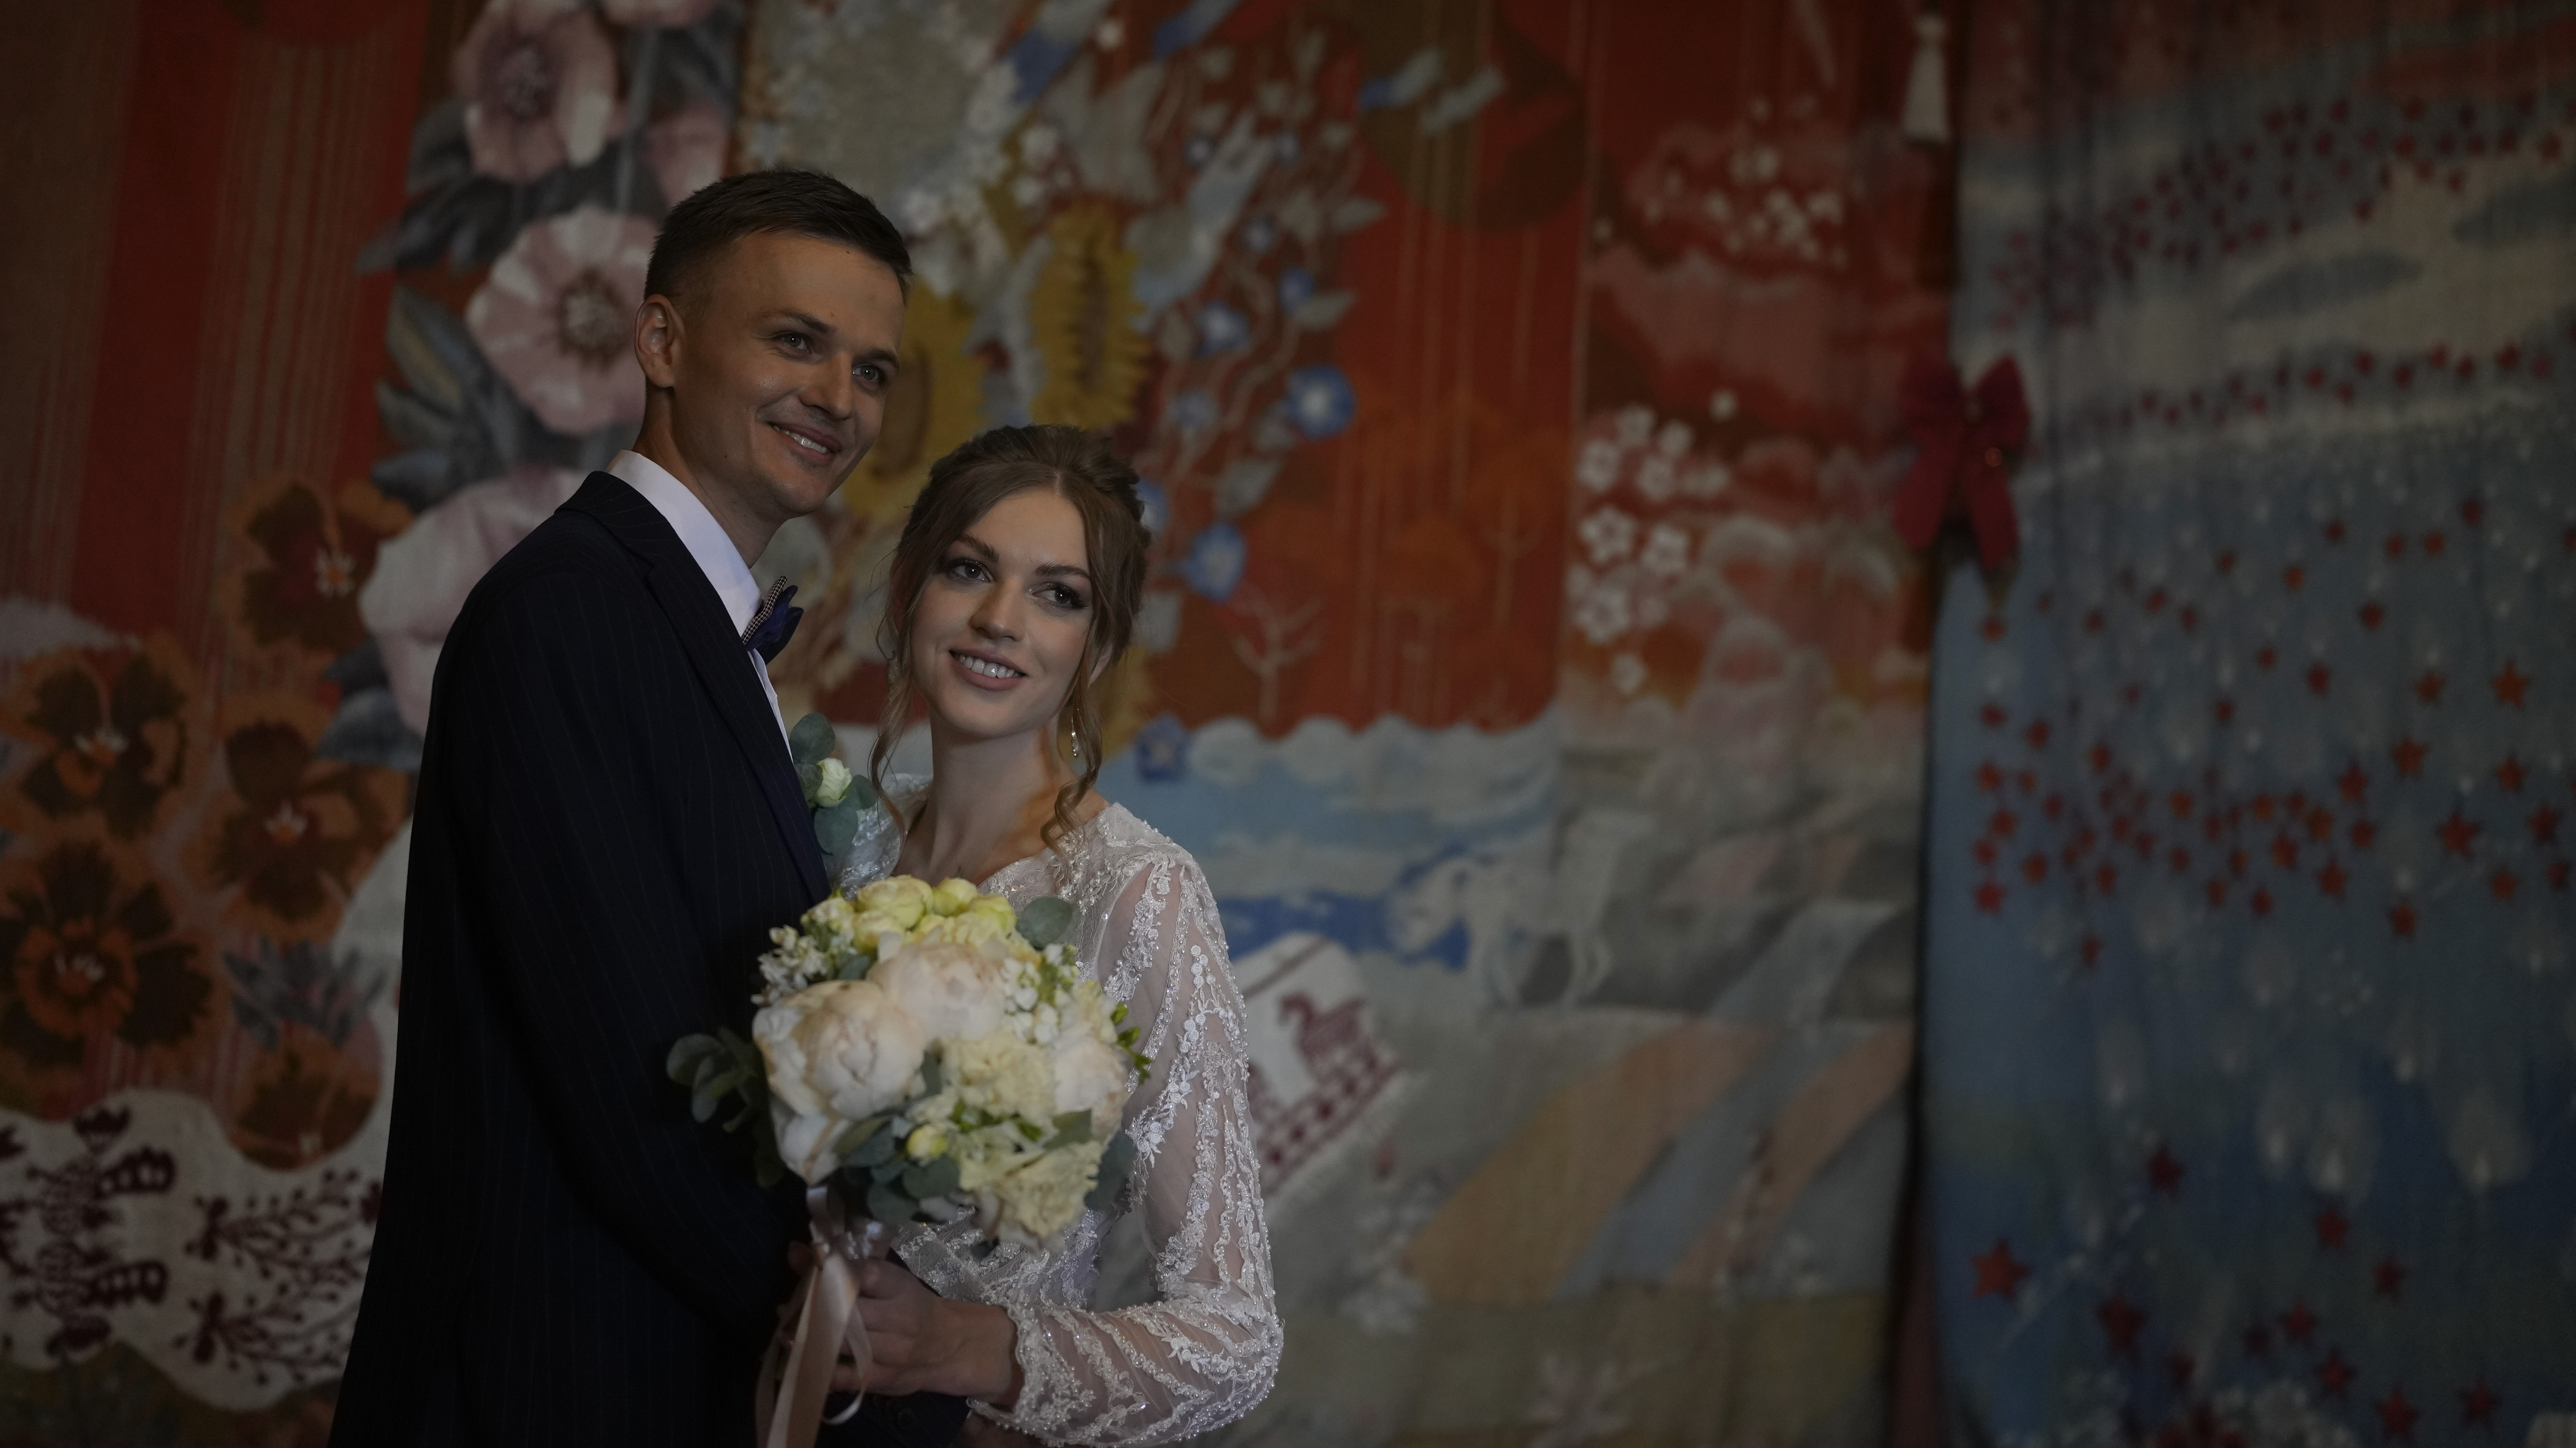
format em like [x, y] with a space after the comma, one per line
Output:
[1062, 570]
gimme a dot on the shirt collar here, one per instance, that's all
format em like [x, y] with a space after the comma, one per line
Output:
[699, 533]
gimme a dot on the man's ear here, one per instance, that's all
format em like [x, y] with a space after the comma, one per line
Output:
[657, 341]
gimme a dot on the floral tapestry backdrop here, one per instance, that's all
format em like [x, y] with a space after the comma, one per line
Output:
[2251, 1024]
[1526, 654]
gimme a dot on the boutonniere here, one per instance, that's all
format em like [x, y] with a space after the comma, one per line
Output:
[834, 796]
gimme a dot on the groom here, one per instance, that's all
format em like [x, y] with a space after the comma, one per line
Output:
[607, 826]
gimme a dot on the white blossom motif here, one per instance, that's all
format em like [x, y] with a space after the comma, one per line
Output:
[1636, 424]
[1707, 480]
[1655, 477]
[1608, 536]
[1673, 439]
[1597, 468]
[1603, 614]
[1574, 1404]
[1667, 551]
[1627, 673]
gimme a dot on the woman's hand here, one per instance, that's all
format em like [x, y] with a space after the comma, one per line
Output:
[922, 1342]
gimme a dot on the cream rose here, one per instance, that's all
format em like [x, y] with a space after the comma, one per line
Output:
[953, 988]
[837, 1053]
[900, 897]
[954, 897]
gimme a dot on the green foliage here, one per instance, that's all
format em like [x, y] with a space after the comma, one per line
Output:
[1045, 920]
[810, 743]
[725, 1066]
[1117, 1159]
[1071, 1127]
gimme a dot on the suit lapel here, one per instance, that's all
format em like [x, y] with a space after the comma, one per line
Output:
[697, 617]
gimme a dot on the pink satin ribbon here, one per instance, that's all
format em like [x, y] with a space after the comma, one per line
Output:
[796, 1378]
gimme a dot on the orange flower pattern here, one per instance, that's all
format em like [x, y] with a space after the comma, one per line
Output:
[93, 952]
[297, 831]
[110, 729]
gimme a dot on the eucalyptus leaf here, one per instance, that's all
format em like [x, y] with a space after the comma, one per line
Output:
[836, 825]
[889, 1169]
[812, 740]
[934, 1178]
[767, 1167]
[877, 1148]
[889, 1205]
[686, 1052]
[809, 780]
[1045, 920]
[1071, 1127]
[934, 1075]
[857, 1136]
[1116, 1160]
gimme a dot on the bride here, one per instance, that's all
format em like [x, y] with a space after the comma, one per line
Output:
[1013, 589]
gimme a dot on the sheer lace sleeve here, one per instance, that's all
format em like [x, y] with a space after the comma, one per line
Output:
[1204, 1353]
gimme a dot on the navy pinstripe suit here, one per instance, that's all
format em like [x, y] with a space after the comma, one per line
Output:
[607, 827]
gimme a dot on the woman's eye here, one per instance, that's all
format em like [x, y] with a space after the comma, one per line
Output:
[1065, 598]
[965, 569]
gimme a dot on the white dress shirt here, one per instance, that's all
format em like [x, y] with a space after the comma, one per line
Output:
[706, 541]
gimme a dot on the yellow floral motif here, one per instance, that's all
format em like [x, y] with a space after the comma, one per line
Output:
[937, 403]
[1082, 316]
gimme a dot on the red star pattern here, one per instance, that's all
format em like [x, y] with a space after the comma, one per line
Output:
[2408, 756]
[2544, 826]
[2331, 879]
[2121, 1319]
[1998, 1273]
[2429, 687]
[2478, 1405]
[2334, 1374]
[2401, 919]
[2397, 1416]
[2509, 775]
[2332, 1228]
[2457, 833]
[2388, 1278]
[1990, 897]
[2510, 684]
[2354, 782]
[2502, 884]
[2164, 1173]
[2298, 1323]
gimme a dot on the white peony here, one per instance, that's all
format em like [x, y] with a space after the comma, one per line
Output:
[837, 1053]
[956, 990]
[1091, 1072]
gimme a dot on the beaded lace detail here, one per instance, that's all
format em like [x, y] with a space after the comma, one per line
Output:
[1203, 1353]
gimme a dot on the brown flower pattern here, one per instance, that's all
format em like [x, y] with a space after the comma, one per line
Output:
[92, 951]
[292, 833]
[110, 736]
[317, 552]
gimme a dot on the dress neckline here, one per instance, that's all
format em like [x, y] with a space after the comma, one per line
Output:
[904, 792]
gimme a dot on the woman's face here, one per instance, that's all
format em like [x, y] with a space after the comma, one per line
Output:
[998, 635]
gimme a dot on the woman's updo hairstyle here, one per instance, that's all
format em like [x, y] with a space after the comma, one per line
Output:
[1080, 468]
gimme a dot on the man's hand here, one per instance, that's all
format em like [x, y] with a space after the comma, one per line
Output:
[923, 1342]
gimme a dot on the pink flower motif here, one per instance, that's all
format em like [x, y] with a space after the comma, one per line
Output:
[539, 79]
[658, 12]
[687, 149]
[423, 574]
[557, 317]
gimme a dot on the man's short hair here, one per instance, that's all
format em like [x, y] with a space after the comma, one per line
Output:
[801, 203]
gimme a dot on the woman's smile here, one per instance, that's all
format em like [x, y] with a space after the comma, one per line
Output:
[984, 671]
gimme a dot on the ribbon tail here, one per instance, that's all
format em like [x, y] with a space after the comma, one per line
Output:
[788, 1405]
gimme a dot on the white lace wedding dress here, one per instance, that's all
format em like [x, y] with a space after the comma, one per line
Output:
[1204, 1352]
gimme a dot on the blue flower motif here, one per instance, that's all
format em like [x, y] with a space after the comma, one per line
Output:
[1296, 285]
[1163, 749]
[1156, 504]
[1259, 235]
[1319, 400]
[1221, 329]
[1192, 411]
[1215, 562]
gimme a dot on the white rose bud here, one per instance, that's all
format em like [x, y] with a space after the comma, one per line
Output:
[834, 784]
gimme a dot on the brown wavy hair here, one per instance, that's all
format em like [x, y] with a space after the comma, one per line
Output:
[1080, 468]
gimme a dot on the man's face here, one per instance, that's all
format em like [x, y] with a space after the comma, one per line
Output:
[778, 369]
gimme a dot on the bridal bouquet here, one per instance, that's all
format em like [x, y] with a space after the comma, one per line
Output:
[922, 1052]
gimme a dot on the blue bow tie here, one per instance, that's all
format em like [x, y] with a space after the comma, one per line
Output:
[774, 623]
